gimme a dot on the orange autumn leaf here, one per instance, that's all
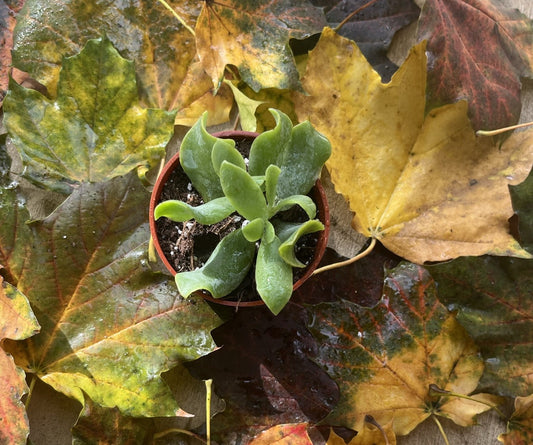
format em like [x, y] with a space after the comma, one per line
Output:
[425, 186]
[287, 434]
[17, 322]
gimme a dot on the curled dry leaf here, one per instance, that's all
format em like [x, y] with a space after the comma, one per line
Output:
[17, 322]
[425, 187]
[384, 359]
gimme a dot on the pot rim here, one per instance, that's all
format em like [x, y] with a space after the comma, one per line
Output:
[319, 197]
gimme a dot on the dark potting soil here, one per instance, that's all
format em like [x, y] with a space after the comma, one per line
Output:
[188, 245]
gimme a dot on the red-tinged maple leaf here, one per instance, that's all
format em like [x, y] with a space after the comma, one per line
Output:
[478, 52]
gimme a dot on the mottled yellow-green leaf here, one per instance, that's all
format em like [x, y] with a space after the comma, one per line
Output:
[254, 36]
[424, 186]
[520, 426]
[17, 322]
[384, 359]
[163, 50]
[94, 130]
[109, 325]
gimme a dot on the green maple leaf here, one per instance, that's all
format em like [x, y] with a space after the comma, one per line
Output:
[109, 325]
[94, 130]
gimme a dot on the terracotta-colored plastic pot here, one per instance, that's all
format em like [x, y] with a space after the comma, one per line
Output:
[317, 193]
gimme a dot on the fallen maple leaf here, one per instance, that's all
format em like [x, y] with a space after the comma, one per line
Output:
[479, 50]
[384, 359]
[493, 299]
[425, 187]
[94, 130]
[254, 36]
[520, 425]
[373, 27]
[110, 326]
[164, 51]
[17, 322]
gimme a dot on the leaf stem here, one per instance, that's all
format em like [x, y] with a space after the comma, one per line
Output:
[175, 14]
[178, 431]
[30, 391]
[439, 425]
[442, 392]
[208, 389]
[348, 261]
[502, 130]
[357, 11]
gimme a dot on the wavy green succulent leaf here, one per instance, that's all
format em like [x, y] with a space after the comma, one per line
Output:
[291, 234]
[94, 130]
[305, 202]
[269, 147]
[253, 231]
[243, 192]
[303, 161]
[269, 233]
[271, 182]
[224, 150]
[273, 276]
[209, 213]
[224, 270]
[195, 159]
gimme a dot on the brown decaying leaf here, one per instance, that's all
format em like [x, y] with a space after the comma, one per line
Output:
[254, 36]
[478, 51]
[426, 187]
[17, 322]
[520, 425]
[8, 13]
[384, 359]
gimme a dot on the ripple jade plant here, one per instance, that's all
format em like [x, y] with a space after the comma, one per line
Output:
[284, 164]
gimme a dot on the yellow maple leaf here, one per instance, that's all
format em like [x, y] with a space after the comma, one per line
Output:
[425, 186]
[520, 426]
[371, 434]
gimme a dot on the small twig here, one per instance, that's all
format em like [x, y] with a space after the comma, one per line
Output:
[30, 391]
[178, 431]
[208, 385]
[357, 11]
[369, 419]
[348, 261]
[439, 425]
[175, 14]
[502, 130]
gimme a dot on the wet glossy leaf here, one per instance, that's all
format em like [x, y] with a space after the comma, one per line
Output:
[385, 358]
[426, 187]
[288, 434]
[17, 322]
[110, 327]
[372, 28]
[483, 62]
[520, 426]
[254, 36]
[15, 234]
[8, 13]
[258, 372]
[163, 50]
[106, 426]
[94, 130]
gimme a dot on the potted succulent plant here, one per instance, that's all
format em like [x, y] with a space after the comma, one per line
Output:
[260, 191]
